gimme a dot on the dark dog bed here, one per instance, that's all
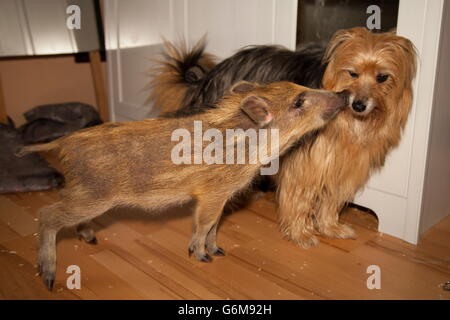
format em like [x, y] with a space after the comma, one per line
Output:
[51, 121]
[29, 173]
[45, 123]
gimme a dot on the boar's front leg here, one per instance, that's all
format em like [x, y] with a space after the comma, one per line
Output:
[206, 217]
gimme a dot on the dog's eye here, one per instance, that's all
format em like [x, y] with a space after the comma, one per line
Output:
[354, 75]
[382, 77]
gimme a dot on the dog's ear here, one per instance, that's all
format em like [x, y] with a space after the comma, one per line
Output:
[243, 87]
[339, 38]
[409, 56]
[257, 109]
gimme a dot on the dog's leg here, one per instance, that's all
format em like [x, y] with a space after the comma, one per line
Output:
[86, 232]
[327, 222]
[296, 201]
[52, 219]
[296, 221]
[206, 216]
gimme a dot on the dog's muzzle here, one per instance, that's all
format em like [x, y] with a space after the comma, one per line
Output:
[361, 106]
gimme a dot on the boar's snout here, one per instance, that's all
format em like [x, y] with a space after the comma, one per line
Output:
[332, 102]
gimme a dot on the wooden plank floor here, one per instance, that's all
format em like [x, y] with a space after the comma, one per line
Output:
[144, 256]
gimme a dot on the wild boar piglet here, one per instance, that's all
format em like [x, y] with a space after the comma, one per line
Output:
[164, 162]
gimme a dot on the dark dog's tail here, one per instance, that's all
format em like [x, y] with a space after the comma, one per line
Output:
[178, 74]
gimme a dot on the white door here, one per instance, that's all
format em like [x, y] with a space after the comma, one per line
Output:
[134, 28]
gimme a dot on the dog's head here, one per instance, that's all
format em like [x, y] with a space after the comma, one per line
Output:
[377, 69]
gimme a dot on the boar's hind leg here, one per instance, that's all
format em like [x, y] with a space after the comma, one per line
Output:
[206, 218]
[51, 219]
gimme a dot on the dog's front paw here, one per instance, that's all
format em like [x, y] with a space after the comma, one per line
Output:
[306, 241]
[302, 238]
[338, 231]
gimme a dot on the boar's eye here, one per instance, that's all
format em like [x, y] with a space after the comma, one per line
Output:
[298, 103]
[382, 77]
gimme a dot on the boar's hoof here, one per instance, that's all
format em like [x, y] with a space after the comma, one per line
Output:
[48, 277]
[92, 241]
[49, 284]
[205, 258]
[219, 252]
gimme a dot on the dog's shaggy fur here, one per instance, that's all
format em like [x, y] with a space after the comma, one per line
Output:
[314, 183]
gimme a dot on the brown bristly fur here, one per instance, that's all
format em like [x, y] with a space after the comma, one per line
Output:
[130, 164]
[316, 182]
[167, 88]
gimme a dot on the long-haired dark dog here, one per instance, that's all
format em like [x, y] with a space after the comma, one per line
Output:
[314, 183]
[187, 81]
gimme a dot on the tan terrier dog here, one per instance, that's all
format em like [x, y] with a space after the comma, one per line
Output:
[378, 70]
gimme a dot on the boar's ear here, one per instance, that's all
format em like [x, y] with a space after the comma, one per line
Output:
[243, 87]
[257, 109]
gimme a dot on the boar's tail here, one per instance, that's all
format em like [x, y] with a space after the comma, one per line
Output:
[178, 74]
[37, 147]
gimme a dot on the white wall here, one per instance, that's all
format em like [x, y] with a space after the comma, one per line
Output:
[436, 200]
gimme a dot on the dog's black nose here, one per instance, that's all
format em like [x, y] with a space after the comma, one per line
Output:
[359, 106]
